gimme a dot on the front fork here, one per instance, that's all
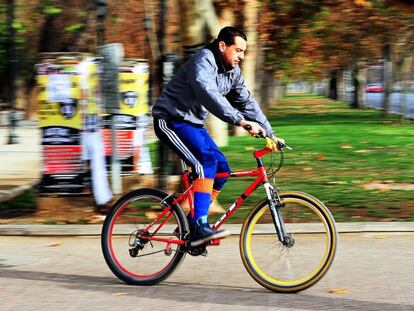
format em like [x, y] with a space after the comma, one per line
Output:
[274, 205]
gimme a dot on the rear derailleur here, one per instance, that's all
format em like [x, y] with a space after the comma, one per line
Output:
[136, 242]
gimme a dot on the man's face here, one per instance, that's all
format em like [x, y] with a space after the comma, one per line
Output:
[233, 54]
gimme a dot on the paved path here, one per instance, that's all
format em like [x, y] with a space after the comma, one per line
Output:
[372, 271]
[19, 163]
[95, 229]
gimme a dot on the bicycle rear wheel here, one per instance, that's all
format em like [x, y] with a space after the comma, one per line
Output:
[132, 248]
[301, 264]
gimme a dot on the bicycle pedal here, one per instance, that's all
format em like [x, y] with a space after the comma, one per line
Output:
[197, 251]
[214, 242]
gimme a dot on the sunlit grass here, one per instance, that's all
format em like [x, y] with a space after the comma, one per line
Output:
[336, 152]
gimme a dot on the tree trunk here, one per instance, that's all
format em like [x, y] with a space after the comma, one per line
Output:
[406, 76]
[199, 23]
[82, 38]
[259, 76]
[217, 128]
[333, 91]
[49, 41]
[279, 91]
[362, 78]
[267, 89]
[249, 64]
[340, 85]
[387, 79]
[357, 89]
[32, 104]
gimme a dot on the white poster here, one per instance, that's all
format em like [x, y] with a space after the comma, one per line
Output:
[59, 88]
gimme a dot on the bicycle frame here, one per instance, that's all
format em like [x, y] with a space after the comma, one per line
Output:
[261, 178]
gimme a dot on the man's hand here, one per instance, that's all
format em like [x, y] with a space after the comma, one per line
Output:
[275, 143]
[253, 128]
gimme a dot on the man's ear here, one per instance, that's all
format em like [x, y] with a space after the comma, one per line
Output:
[222, 46]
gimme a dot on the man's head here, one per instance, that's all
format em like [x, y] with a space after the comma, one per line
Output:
[232, 43]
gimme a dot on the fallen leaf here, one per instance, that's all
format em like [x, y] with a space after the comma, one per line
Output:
[96, 219]
[320, 158]
[151, 215]
[119, 294]
[339, 291]
[306, 169]
[301, 162]
[339, 182]
[346, 147]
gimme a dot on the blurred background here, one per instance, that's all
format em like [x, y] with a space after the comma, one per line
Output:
[317, 68]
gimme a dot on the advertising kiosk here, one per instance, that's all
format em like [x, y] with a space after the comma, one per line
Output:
[132, 116]
[70, 110]
[60, 120]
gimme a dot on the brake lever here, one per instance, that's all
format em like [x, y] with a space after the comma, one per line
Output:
[280, 146]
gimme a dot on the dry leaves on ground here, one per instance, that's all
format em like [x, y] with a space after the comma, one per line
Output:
[339, 291]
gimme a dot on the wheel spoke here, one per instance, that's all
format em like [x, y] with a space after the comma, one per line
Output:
[297, 265]
[138, 219]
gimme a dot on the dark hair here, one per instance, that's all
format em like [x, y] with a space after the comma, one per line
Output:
[227, 34]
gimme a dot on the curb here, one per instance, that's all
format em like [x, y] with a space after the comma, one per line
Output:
[95, 229]
[6, 195]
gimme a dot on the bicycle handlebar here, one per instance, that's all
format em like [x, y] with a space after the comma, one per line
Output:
[279, 144]
[248, 127]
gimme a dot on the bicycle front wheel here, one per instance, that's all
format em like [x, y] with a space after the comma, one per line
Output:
[299, 265]
[138, 237]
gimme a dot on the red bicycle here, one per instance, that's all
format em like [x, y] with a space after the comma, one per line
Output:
[287, 241]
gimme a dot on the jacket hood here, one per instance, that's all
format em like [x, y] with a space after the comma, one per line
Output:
[213, 47]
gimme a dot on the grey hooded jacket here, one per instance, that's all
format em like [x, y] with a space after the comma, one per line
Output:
[204, 85]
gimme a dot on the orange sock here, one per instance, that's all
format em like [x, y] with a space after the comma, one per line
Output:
[202, 196]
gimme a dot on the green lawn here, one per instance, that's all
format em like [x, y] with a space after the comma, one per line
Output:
[337, 152]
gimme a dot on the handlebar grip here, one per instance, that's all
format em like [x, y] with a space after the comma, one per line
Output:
[248, 127]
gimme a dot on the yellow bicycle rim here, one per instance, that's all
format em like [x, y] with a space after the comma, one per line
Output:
[314, 271]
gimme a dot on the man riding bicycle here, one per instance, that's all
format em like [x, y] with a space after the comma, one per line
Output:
[210, 81]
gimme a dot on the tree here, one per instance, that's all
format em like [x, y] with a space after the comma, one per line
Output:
[280, 36]
[310, 39]
[199, 24]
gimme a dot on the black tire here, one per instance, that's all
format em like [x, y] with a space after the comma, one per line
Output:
[289, 269]
[130, 214]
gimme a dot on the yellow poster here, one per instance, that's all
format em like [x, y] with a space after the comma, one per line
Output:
[133, 89]
[92, 88]
[59, 100]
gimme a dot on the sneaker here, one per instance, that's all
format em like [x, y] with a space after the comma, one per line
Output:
[203, 233]
[190, 224]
